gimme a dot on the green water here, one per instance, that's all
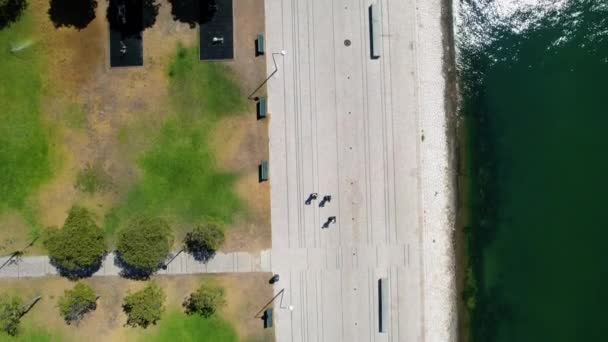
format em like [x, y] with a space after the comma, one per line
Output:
[535, 99]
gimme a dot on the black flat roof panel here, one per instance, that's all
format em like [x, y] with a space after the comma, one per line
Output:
[125, 18]
[131, 54]
[220, 25]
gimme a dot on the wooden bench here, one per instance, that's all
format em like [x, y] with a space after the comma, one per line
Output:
[263, 171]
[261, 108]
[259, 45]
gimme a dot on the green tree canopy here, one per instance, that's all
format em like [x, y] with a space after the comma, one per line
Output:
[144, 307]
[144, 243]
[204, 240]
[10, 11]
[77, 248]
[75, 303]
[11, 310]
[205, 300]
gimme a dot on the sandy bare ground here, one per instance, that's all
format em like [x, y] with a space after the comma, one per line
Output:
[114, 102]
[242, 142]
[109, 98]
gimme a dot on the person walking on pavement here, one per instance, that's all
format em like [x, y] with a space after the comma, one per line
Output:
[311, 198]
[326, 199]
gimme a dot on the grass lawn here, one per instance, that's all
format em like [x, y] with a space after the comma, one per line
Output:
[171, 139]
[179, 177]
[31, 334]
[177, 326]
[25, 155]
[245, 295]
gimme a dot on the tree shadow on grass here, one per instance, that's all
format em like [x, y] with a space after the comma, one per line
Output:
[131, 17]
[193, 12]
[79, 273]
[10, 11]
[132, 272]
[72, 13]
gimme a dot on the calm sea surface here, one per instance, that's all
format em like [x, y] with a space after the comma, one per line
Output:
[534, 77]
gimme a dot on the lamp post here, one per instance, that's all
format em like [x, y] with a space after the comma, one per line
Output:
[276, 68]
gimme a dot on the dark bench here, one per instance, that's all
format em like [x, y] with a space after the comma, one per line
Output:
[261, 108]
[259, 45]
[267, 318]
[263, 170]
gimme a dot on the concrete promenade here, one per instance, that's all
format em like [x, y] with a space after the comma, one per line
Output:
[346, 125]
[371, 133]
[39, 266]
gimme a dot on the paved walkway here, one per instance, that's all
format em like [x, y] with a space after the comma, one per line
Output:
[183, 263]
[346, 125]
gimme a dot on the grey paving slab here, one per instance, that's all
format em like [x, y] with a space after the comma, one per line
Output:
[183, 263]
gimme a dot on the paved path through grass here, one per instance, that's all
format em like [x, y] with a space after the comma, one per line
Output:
[183, 263]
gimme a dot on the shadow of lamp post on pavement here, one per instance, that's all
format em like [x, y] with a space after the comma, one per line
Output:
[276, 68]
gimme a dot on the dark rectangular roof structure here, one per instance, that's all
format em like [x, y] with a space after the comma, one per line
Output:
[125, 19]
[217, 33]
[126, 51]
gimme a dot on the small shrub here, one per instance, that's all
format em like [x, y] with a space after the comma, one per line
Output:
[75, 303]
[144, 307]
[92, 179]
[11, 310]
[205, 301]
[204, 240]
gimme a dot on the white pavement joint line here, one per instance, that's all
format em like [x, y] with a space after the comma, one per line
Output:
[366, 105]
[306, 114]
[398, 311]
[386, 76]
[394, 149]
[319, 315]
[286, 141]
[290, 303]
[420, 123]
[300, 112]
[342, 305]
[317, 222]
[392, 92]
[313, 113]
[306, 305]
[365, 114]
[337, 161]
[386, 52]
[322, 307]
[370, 301]
[297, 123]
